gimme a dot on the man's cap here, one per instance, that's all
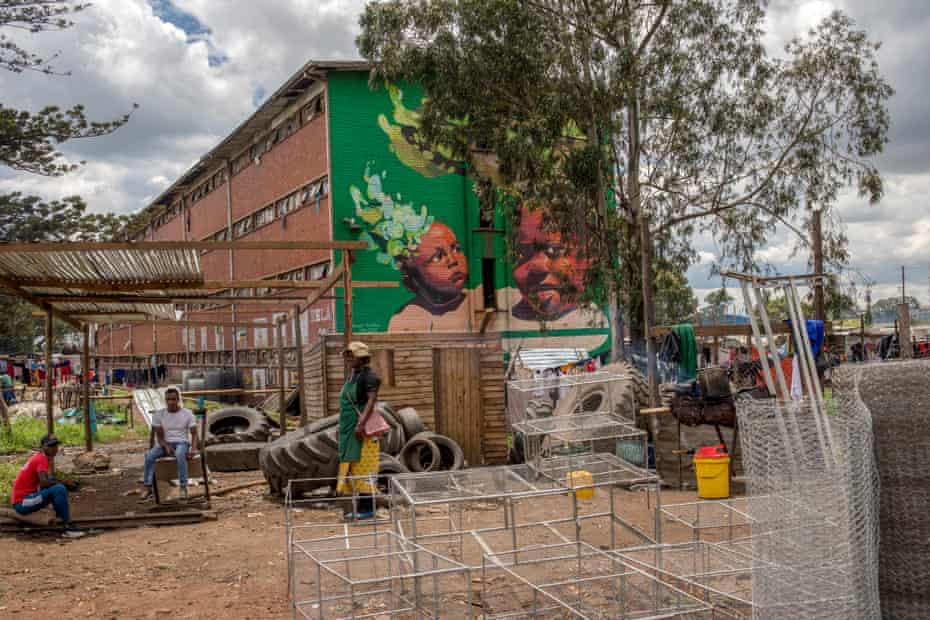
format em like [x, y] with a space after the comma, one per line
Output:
[358, 349]
[48, 441]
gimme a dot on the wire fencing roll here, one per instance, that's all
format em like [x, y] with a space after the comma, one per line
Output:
[814, 507]
[897, 396]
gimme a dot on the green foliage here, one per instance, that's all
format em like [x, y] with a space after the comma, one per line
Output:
[715, 306]
[28, 218]
[29, 143]
[777, 307]
[836, 303]
[32, 16]
[28, 140]
[8, 472]
[675, 301]
[632, 120]
[18, 328]
[27, 432]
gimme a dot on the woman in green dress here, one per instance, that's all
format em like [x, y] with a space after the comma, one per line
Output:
[358, 454]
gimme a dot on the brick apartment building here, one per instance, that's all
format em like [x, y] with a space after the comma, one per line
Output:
[328, 157]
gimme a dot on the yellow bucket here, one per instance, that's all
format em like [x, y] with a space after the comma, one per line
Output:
[713, 477]
[584, 479]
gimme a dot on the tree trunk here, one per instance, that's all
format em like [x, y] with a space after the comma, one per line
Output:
[617, 344]
[649, 311]
[817, 244]
[642, 222]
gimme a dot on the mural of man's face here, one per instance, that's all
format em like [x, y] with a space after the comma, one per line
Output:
[549, 273]
[438, 264]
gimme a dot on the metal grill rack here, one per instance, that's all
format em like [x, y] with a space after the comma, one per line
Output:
[719, 574]
[575, 580]
[476, 511]
[377, 575]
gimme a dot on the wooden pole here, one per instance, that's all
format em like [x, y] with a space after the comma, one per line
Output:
[817, 243]
[904, 331]
[154, 352]
[49, 388]
[187, 335]
[85, 388]
[110, 361]
[5, 415]
[347, 302]
[282, 413]
[299, 346]
[235, 343]
[862, 335]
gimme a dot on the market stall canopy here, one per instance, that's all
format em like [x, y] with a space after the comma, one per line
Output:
[132, 278]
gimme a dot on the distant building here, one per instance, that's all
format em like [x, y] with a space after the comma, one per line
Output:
[327, 157]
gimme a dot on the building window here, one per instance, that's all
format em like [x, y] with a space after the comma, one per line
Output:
[311, 110]
[317, 272]
[265, 216]
[281, 208]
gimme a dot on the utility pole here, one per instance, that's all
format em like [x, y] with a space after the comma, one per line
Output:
[817, 245]
[903, 298]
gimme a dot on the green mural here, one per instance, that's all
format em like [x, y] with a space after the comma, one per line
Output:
[416, 209]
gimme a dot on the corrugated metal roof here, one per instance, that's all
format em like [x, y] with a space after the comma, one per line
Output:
[163, 311]
[540, 359]
[89, 267]
[94, 268]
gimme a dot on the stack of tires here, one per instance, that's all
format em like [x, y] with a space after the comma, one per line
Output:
[235, 435]
[312, 452]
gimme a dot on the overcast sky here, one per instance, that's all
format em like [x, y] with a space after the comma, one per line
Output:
[197, 68]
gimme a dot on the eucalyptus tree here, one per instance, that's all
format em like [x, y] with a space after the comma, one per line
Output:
[639, 122]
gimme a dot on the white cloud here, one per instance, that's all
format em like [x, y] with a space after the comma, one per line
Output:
[705, 257]
[121, 53]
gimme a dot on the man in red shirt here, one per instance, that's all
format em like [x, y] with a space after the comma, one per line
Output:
[35, 487]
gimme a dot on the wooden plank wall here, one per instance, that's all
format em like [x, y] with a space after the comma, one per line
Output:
[413, 386]
[413, 379]
[313, 382]
[457, 378]
[494, 438]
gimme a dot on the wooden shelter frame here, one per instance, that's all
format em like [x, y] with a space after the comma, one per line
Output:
[82, 283]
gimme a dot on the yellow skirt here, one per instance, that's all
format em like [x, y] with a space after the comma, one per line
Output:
[366, 466]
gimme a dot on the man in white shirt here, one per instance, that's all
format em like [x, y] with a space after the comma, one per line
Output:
[175, 433]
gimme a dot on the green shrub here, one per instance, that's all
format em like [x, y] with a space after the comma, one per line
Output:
[27, 432]
[8, 473]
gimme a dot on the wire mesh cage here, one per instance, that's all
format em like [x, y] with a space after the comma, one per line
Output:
[594, 392]
[719, 574]
[576, 580]
[824, 569]
[465, 514]
[568, 436]
[377, 575]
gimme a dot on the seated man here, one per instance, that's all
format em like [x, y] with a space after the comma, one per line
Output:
[172, 426]
[35, 488]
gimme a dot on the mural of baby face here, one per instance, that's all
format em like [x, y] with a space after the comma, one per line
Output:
[437, 269]
[549, 273]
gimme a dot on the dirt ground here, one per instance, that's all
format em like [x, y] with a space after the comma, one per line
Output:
[234, 567]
